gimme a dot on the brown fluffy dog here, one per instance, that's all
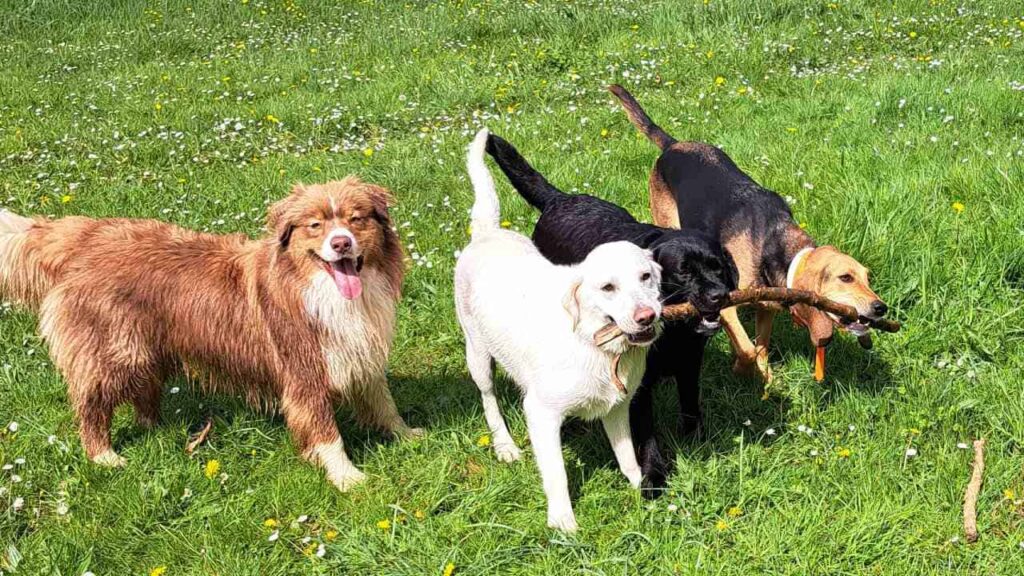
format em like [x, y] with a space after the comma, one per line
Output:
[296, 319]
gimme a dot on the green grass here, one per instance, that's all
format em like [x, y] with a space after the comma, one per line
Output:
[872, 117]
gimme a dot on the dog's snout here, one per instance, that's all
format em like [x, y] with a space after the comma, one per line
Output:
[341, 244]
[718, 297]
[879, 308]
[644, 316]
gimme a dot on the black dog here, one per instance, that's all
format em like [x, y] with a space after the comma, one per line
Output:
[695, 269]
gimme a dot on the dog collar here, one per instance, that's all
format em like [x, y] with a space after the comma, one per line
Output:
[796, 265]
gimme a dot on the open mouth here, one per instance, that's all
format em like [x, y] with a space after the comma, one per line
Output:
[708, 325]
[856, 328]
[345, 273]
[643, 337]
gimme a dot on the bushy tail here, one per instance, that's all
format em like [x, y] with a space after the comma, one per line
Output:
[640, 119]
[19, 279]
[486, 214]
[530, 184]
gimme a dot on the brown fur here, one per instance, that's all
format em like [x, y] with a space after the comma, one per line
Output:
[124, 304]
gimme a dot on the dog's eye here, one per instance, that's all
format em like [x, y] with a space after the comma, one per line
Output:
[645, 277]
[847, 278]
[609, 287]
[314, 225]
[357, 219]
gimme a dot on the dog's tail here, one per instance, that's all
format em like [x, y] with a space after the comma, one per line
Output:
[20, 277]
[530, 184]
[486, 213]
[640, 119]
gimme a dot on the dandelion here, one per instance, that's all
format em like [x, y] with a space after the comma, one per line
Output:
[368, 152]
[506, 224]
[331, 535]
[384, 524]
[721, 525]
[270, 523]
[211, 469]
[843, 453]
[158, 571]
[1009, 494]
[272, 119]
[449, 569]
[66, 198]
[709, 54]
[742, 90]
[419, 514]
[604, 132]
[912, 34]
[735, 512]
[958, 207]
[483, 441]
[719, 81]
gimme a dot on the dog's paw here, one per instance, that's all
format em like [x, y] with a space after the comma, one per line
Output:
[109, 459]
[565, 522]
[634, 476]
[764, 370]
[653, 484]
[409, 433]
[347, 480]
[507, 452]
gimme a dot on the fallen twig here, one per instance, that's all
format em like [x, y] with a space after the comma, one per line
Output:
[200, 436]
[971, 495]
[784, 296]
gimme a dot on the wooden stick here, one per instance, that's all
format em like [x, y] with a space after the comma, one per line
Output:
[971, 495]
[784, 296]
[200, 436]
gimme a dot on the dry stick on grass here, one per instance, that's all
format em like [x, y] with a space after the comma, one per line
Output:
[784, 296]
[971, 495]
[200, 436]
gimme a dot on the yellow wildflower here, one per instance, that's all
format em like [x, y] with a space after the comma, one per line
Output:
[742, 90]
[270, 523]
[331, 535]
[158, 571]
[721, 525]
[384, 524]
[735, 512]
[912, 34]
[66, 198]
[958, 207]
[719, 81]
[1009, 494]
[791, 129]
[211, 469]
[157, 106]
[449, 569]
[843, 453]
[271, 118]
[419, 514]
[604, 132]
[368, 152]
[506, 224]
[483, 441]
[709, 54]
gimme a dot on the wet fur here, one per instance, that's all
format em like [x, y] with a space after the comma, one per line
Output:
[126, 304]
[695, 268]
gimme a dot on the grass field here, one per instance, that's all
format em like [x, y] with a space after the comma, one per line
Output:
[896, 131]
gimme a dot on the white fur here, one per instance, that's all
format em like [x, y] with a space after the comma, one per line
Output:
[516, 307]
[12, 241]
[109, 459]
[340, 470]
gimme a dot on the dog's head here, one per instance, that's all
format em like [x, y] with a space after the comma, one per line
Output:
[838, 277]
[696, 269]
[617, 282]
[339, 227]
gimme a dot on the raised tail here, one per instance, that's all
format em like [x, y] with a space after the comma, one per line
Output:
[486, 213]
[530, 184]
[20, 278]
[640, 119]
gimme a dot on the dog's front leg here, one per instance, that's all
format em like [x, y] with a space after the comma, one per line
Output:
[375, 406]
[616, 426]
[310, 418]
[545, 428]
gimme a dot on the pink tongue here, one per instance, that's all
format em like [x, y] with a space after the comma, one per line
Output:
[347, 279]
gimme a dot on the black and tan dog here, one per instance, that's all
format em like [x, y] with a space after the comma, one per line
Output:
[696, 186]
[695, 269]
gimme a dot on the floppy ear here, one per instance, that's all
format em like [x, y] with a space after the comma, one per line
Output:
[571, 303]
[279, 217]
[382, 199]
[819, 326]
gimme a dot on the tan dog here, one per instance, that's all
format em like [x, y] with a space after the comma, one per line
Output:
[297, 319]
[696, 186]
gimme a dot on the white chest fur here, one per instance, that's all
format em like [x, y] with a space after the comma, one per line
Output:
[357, 333]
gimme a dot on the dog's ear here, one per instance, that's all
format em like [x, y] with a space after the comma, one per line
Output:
[279, 217]
[819, 326]
[571, 303]
[382, 199]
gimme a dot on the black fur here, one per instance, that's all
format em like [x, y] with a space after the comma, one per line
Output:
[695, 269]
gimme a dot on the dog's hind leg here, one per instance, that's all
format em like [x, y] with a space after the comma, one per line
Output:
[375, 406]
[641, 418]
[480, 368]
[763, 329]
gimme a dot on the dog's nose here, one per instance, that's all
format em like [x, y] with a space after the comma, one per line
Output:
[644, 316]
[879, 308]
[718, 297]
[341, 244]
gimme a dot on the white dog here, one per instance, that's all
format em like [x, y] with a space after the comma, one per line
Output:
[538, 321]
